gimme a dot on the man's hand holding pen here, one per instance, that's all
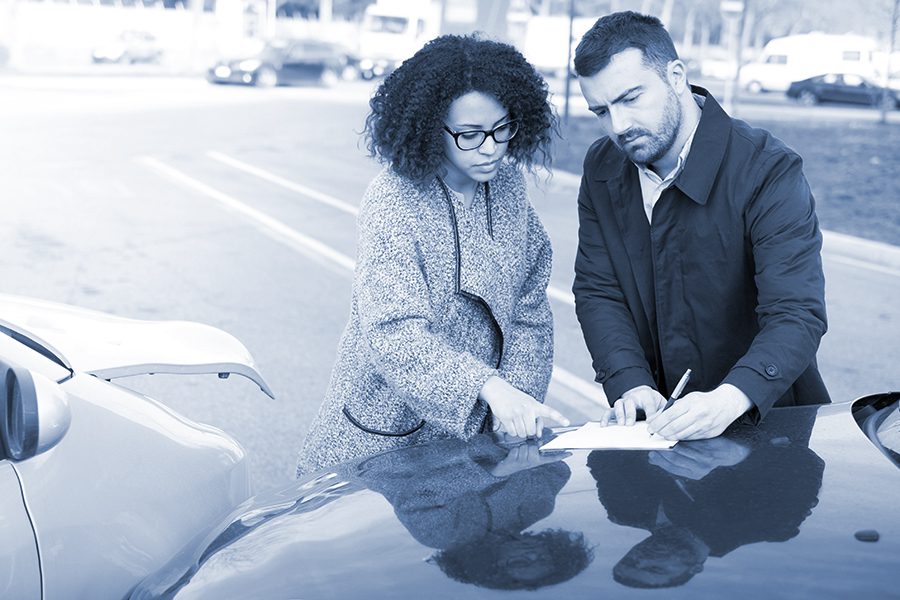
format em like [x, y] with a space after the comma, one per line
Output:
[700, 415]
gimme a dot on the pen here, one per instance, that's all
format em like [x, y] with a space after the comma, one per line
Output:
[678, 389]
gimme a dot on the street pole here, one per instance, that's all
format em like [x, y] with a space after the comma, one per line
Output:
[887, 69]
[731, 11]
[568, 75]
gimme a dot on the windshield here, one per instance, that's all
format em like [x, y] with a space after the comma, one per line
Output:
[385, 24]
[879, 418]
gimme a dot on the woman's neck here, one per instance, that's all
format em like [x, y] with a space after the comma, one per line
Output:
[467, 188]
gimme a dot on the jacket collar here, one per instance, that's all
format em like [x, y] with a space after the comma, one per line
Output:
[703, 161]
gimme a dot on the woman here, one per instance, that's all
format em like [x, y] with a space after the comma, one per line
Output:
[450, 331]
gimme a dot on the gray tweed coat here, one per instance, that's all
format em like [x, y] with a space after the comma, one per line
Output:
[444, 296]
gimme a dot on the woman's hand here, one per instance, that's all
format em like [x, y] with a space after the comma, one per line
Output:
[525, 456]
[518, 413]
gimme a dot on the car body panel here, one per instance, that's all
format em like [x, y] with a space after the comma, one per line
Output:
[784, 518]
[126, 466]
[109, 347]
[20, 576]
[130, 481]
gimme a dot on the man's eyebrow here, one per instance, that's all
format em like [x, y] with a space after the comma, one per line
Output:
[619, 98]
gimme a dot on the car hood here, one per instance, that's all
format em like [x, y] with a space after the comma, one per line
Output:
[110, 347]
[793, 506]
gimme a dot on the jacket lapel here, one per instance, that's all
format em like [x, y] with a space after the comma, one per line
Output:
[624, 191]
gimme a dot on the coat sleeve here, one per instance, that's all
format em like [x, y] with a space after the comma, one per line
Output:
[606, 321]
[439, 383]
[528, 343]
[786, 243]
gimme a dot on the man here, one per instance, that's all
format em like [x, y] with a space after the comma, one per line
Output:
[699, 246]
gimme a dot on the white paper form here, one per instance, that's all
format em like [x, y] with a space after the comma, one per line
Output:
[593, 435]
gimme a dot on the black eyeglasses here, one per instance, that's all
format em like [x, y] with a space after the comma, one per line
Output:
[472, 139]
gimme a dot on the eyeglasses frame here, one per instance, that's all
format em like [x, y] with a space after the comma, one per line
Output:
[487, 134]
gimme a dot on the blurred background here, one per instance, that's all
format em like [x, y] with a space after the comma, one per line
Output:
[201, 160]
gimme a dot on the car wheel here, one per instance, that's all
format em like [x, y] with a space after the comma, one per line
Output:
[265, 77]
[886, 101]
[807, 98]
[329, 78]
[754, 87]
[350, 73]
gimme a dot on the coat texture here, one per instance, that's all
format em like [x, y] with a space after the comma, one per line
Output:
[727, 281]
[444, 296]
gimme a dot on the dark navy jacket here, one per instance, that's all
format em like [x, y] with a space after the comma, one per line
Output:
[727, 281]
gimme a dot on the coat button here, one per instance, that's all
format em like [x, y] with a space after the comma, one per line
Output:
[771, 370]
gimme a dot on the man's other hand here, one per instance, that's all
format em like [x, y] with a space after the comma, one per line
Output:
[625, 408]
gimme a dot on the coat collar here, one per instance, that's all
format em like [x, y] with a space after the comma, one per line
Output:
[703, 161]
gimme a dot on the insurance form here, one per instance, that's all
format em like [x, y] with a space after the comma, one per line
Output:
[593, 435]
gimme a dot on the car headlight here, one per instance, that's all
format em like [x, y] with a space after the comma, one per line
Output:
[366, 64]
[222, 71]
[34, 412]
[251, 64]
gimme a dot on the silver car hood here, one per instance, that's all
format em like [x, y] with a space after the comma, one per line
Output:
[110, 347]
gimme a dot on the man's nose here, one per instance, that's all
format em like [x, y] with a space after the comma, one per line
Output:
[619, 122]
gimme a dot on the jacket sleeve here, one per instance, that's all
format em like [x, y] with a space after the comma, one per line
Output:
[786, 243]
[528, 344]
[606, 321]
[439, 383]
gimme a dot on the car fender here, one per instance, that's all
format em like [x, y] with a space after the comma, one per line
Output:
[126, 465]
[109, 347]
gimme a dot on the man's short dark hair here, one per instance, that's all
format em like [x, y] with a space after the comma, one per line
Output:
[618, 32]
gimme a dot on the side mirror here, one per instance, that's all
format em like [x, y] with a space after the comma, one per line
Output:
[34, 412]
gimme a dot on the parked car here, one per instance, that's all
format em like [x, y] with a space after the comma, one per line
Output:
[283, 62]
[842, 87]
[129, 48]
[99, 485]
[802, 506]
[796, 57]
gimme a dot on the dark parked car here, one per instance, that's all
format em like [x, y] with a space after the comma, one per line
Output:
[803, 506]
[286, 63]
[842, 87]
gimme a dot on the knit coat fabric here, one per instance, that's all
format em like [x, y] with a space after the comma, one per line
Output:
[444, 296]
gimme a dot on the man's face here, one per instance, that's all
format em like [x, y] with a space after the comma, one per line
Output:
[638, 109]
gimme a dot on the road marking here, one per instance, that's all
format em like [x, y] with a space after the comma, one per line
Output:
[285, 183]
[271, 227]
[292, 238]
[860, 264]
[553, 292]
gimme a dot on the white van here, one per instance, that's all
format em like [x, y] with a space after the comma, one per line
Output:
[393, 30]
[797, 57]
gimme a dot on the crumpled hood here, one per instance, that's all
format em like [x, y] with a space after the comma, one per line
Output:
[109, 347]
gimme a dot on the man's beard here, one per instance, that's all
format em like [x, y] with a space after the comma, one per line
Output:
[655, 145]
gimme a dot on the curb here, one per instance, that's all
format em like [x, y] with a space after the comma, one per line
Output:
[841, 244]
[876, 253]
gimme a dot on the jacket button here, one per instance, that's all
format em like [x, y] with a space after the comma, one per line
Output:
[771, 370]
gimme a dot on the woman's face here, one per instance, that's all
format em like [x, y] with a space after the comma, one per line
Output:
[474, 111]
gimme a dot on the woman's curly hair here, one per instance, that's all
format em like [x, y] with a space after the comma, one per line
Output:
[405, 125]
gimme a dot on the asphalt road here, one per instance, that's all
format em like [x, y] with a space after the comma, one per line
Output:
[172, 199]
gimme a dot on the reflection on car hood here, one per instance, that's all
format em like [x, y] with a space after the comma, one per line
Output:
[109, 347]
[791, 508]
